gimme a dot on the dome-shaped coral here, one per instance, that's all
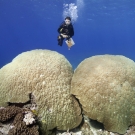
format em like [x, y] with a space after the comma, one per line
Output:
[105, 86]
[47, 76]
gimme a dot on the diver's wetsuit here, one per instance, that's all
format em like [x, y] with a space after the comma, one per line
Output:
[66, 30]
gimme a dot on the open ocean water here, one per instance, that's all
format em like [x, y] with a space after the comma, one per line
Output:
[101, 27]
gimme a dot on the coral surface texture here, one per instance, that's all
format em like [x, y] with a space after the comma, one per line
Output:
[105, 87]
[47, 76]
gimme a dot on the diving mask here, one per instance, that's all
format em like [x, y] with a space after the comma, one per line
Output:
[67, 22]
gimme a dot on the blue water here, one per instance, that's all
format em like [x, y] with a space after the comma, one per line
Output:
[102, 27]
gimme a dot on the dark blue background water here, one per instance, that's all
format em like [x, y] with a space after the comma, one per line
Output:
[102, 27]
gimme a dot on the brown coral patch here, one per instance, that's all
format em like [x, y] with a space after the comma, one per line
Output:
[9, 112]
[20, 128]
[17, 125]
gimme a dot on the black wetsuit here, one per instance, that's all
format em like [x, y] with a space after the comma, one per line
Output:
[66, 30]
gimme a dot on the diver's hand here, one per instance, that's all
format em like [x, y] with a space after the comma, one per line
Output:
[64, 36]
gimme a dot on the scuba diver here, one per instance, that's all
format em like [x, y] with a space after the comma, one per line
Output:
[66, 31]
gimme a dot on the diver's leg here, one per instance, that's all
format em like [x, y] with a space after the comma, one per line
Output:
[60, 40]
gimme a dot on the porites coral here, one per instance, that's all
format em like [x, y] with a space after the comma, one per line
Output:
[105, 87]
[47, 75]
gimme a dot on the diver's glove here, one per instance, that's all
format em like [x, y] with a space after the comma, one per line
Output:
[64, 36]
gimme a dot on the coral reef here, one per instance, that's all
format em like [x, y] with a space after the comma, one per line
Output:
[35, 87]
[47, 76]
[105, 87]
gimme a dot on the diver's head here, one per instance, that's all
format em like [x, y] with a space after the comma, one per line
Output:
[67, 20]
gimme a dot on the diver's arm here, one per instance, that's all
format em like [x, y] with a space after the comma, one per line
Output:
[60, 29]
[71, 32]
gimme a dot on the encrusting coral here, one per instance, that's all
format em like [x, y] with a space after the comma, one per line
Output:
[18, 126]
[47, 76]
[105, 87]
[9, 112]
